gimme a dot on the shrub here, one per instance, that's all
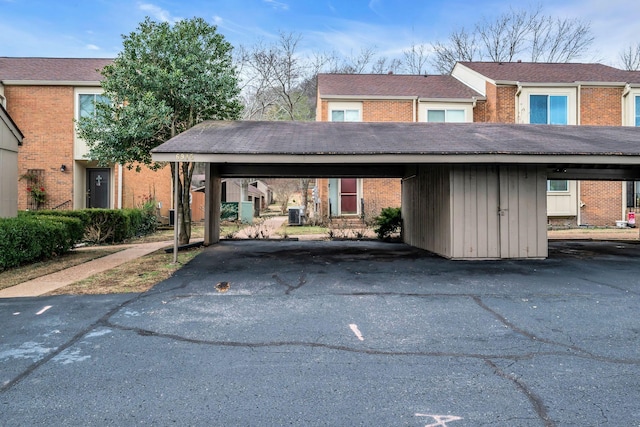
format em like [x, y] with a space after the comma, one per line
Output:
[229, 211]
[29, 238]
[388, 222]
[106, 225]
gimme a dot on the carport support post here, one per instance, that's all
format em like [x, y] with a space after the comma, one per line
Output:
[176, 215]
[212, 200]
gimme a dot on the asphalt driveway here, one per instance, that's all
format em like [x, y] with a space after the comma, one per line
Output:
[338, 333]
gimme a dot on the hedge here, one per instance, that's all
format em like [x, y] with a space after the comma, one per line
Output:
[34, 237]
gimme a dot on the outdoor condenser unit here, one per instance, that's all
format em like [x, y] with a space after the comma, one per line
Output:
[295, 216]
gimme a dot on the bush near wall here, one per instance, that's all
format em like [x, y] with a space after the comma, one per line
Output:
[110, 225]
[37, 235]
[30, 238]
[388, 222]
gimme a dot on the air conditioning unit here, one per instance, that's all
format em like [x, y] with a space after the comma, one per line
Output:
[296, 216]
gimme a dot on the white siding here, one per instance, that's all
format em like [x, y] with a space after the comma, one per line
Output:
[8, 170]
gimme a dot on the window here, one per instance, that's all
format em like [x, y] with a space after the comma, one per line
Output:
[87, 103]
[548, 109]
[637, 110]
[345, 115]
[557, 185]
[442, 116]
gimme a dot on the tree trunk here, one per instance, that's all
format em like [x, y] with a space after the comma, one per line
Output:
[183, 205]
[304, 189]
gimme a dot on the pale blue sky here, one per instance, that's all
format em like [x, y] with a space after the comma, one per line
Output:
[93, 28]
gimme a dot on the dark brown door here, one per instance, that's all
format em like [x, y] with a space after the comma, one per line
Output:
[348, 196]
[98, 186]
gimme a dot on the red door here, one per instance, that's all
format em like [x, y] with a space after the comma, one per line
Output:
[348, 196]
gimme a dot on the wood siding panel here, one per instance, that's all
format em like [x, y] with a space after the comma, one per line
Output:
[475, 206]
[427, 210]
[523, 212]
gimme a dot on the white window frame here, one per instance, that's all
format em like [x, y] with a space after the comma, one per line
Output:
[344, 106]
[79, 145]
[524, 110]
[549, 190]
[629, 107]
[425, 107]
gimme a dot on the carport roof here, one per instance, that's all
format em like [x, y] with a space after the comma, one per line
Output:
[343, 149]
[213, 141]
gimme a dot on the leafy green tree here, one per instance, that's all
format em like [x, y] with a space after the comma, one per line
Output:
[164, 81]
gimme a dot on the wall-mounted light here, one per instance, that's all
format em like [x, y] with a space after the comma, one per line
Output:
[63, 168]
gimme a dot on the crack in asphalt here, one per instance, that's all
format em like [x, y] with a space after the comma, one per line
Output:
[535, 400]
[77, 337]
[489, 359]
[302, 280]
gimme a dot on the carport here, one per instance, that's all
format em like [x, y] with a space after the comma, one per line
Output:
[470, 190]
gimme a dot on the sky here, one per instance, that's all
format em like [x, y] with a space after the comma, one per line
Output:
[94, 28]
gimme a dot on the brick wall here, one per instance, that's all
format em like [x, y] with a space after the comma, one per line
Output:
[377, 111]
[602, 202]
[387, 111]
[380, 193]
[480, 112]
[490, 103]
[141, 186]
[506, 99]
[44, 114]
[601, 106]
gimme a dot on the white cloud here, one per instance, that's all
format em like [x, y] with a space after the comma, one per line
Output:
[92, 47]
[158, 13]
[277, 5]
[218, 20]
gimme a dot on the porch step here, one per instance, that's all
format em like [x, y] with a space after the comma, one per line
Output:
[348, 222]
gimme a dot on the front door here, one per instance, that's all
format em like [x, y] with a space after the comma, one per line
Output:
[348, 196]
[98, 188]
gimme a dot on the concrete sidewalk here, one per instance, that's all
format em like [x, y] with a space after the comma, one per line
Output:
[42, 285]
[268, 227]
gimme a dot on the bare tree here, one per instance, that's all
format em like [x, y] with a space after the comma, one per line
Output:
[462, 46]
[559, 40]
[630, 57]
[352, 64]
[283, 189]
[384, 65]
[529, 33]
[503, 38]
[415, 59]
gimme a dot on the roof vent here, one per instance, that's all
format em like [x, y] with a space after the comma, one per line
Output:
[390, 72]
[519, 61]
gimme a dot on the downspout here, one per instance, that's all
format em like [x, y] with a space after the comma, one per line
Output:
[579, 202]
[579, 97]
[625, 114]
[578, 186]
[120, 186]
[517, 103]
[415, 109]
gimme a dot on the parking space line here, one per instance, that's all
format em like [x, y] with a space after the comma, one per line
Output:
[45, 308]
[356, 331]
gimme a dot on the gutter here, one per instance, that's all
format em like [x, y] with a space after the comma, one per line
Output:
[50, 83]
[472, 99]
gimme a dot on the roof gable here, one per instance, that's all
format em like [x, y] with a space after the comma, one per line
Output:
[52, 69]
[393, 85]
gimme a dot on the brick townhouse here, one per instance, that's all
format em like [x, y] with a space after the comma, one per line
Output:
[518, 92]
[385, 98]
[45, 96]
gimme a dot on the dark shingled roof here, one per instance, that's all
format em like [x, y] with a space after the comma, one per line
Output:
[531, 72]
[371, 85]
[329, 138]
[52, 69]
